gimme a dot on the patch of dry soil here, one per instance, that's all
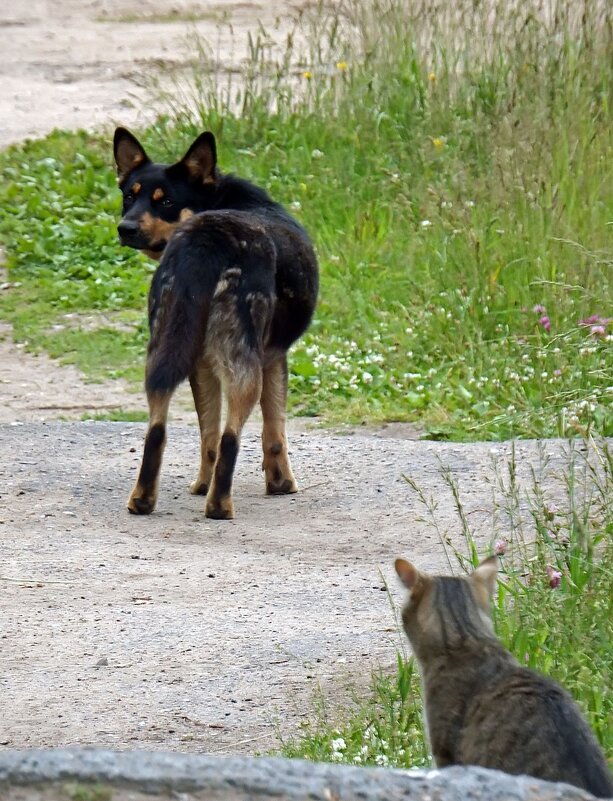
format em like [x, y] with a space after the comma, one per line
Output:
[80, 63]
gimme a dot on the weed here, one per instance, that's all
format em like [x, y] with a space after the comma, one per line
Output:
[118, 416]
[386, 729]
[86, 792]
[553, 608]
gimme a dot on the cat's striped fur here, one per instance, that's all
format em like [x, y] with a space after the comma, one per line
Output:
[482, 707]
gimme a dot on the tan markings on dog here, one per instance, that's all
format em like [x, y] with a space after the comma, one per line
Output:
[156, 230]
[276, 465]
[158, 194]
[135, 188]
[221, 287]
[185, 215]
[206, 390]
[242, 396]
[200, 168]
[225, 346]
[129, 155]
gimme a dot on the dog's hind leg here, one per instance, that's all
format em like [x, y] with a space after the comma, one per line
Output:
[243, 389]
[144, 495]
[276, 465]
[206, 389]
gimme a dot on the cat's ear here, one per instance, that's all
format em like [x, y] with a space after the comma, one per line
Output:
[486, 573]
[407, 573]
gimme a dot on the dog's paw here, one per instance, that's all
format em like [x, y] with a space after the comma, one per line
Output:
[198, 487]
[282, 486]
[220, 510]
[140, 503]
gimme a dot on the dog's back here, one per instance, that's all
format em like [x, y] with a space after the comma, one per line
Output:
[213, 294]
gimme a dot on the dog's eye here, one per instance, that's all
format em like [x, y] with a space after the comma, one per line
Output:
[128, 197]
[166, 202]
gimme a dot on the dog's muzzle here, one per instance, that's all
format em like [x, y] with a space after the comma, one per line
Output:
[131, 235]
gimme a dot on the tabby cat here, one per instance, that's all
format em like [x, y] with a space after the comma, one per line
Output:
[482, 707]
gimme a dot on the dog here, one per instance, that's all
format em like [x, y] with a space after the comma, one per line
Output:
[236, 285]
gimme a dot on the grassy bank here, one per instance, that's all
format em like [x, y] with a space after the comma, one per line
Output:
[456, 175]
[553, 610]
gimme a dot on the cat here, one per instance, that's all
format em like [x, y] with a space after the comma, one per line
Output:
[482, 707]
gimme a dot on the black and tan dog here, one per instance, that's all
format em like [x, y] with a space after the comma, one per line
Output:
[236, 285]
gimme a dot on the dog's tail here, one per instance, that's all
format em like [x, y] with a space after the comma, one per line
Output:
[179, 302]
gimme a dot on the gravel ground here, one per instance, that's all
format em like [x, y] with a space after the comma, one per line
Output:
[180, 632]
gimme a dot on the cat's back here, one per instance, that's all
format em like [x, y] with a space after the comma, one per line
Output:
[524, 723]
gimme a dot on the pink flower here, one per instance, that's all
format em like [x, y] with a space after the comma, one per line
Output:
[550, 511]
[539, 309]
[545, 322]
[595, 319]
[500, 547]
[554, 577]
[598, 330]
[557, 373]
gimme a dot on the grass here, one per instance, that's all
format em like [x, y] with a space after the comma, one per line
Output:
[194, 14]
[553, 609]
[460, 199]
[117, 416]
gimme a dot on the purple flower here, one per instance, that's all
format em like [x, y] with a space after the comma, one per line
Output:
[598, 330]
[539, 309]
[500, 547]
[557, 373]
[595, 319]
[550, 511]
[554, 577]
[545, 322]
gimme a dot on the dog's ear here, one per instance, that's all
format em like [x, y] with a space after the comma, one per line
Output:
[129, 153]
[200, 161]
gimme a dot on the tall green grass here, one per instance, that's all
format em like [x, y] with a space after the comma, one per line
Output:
[454, 165]
[553, 609]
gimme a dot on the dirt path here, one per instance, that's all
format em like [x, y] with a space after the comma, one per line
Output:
[79, 63]
[176, 632]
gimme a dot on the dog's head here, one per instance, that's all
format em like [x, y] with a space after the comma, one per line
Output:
[157, 197]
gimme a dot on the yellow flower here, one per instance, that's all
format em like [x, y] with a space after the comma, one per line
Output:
[307, 74]
[438, 142]
[432, 77]
[341, 65]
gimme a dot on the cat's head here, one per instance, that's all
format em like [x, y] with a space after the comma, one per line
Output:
[444, 612]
